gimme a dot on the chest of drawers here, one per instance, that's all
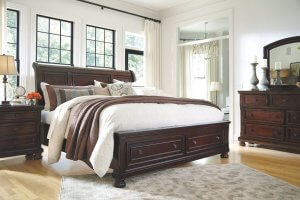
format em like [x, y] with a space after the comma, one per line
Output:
[20, 131]
[271, 118]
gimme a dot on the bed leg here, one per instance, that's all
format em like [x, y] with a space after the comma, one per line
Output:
[120, 183]
[242, 144]
[224, 155]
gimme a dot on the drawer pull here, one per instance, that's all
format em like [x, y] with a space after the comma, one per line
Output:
[194, 142]
[218, 138]
[252, 130]
[175, 146]
[140, 152]
[256, 100]
[276, 132]
[295, 134]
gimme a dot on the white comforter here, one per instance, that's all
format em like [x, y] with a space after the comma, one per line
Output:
[121, 118]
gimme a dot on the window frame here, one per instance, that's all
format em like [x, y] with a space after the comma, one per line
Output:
[17, 58]
[131, 51]
[113, 45]
[72, 39]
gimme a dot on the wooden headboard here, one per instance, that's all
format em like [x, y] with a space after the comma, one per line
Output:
[76, 76]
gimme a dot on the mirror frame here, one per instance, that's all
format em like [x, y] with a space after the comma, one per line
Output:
[266, 55]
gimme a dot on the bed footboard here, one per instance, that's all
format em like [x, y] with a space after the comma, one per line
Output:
[143, 151]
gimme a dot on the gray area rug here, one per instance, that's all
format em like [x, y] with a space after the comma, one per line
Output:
[209, 182]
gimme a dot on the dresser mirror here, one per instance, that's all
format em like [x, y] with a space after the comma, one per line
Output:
[283, 62]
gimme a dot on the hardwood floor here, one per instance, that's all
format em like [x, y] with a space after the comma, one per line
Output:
[21, 179]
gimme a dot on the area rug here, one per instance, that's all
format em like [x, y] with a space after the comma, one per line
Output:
[209, 182]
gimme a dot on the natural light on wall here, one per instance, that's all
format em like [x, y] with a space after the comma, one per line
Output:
[134, 44]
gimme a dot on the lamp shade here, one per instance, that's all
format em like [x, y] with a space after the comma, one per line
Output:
[215, 86]
[7, 65]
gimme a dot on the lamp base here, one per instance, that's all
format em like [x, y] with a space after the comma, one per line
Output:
[5, 103]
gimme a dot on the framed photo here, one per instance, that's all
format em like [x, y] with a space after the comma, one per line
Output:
[295, 69]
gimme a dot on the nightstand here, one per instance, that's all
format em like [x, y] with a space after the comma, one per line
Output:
[20, 131]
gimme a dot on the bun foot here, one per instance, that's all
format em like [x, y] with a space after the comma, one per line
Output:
[224, 155]
[34, 156]
[242, 144]
[119, 183]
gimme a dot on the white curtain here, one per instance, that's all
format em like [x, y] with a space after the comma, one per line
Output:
[2, 39]
[211, 54]
[152, 54]
[185, 63]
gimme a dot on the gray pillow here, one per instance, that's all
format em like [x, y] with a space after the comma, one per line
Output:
[64, 95]
[120, 89]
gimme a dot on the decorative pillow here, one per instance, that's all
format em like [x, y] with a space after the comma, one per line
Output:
[121, 89]
[45, 95]
[101, 91]
[53, 91]
[63, 95]
[100, 84]
[117, 81]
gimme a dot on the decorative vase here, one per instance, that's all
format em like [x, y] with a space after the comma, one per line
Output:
[32, 102]
[277, 80]
[253, 79]
[264, 81]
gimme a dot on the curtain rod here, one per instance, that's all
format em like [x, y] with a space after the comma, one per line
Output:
[117, 10]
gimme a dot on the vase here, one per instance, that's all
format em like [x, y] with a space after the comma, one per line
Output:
[264, 80]
[32, 102]
[253, 79]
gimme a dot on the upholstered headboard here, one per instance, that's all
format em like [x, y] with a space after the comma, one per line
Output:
[76, 76]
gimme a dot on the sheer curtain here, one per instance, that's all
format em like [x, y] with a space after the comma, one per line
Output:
[2, 39]
[184, 70]
[152, 54]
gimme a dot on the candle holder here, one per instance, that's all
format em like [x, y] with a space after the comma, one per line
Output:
[278, 80]
[264, 81]
[253, 79]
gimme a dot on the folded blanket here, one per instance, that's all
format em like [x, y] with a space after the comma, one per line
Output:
[84, 131]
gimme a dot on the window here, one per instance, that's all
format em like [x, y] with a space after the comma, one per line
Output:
[100, 47]
[134, 56]
[198, 81]
[54, 41]
[13, 47]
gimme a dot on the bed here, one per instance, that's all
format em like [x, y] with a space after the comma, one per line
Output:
[139, 151]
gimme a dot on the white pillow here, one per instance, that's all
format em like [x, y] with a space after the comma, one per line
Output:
[117, 81]
[45, 95]
[120, 89]
[97, 83]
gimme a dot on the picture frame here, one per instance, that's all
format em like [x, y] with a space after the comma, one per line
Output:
[295, 69]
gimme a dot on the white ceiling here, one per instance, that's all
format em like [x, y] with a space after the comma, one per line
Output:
[157, 5]
[214, 26]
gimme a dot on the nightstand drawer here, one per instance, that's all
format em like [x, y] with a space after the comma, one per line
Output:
[18, 143]
[21, 129]
[18, 115]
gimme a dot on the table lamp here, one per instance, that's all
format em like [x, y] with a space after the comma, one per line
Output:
[215, 86]
[7, 67]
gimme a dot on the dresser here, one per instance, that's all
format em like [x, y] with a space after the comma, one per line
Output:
[20, 131]
[271, 119]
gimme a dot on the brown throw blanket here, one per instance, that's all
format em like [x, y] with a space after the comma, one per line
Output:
[84, 130]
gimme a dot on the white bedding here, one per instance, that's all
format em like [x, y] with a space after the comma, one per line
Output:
[46, 116]
[121, 118]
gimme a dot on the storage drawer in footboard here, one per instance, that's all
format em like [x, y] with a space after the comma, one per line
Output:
[142, 152]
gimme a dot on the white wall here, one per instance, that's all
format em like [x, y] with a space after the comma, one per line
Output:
[256, 23]
[81, 14]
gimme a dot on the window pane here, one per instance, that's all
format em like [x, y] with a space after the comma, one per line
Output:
[54, 41]
[65, 43]
[11, 86]
[43, 24]
[108, 61]
[42, 39]
[12, 18]
[42, 54]
[108, 49]
[90, 59]
[12, 50]
[90, 33]
[54, 55]
[54, 26]
[100, 47]
[108, 36]
[65, 57]
[11, 35]
[90, 46]
[66, 28]
[135, 63]
[100, 60]
[134, 41]
[100, 34]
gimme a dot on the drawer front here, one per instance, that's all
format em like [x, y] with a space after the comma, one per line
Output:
[18, 115]
[293, 135]
[286, 100]
[257, 100]
[204, 141]
[265, 115]
[264, 131]
[12, 130]
[155, 149]
[293, 117]
[18, 143]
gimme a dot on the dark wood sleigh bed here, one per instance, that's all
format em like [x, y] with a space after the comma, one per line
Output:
[137, 152]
